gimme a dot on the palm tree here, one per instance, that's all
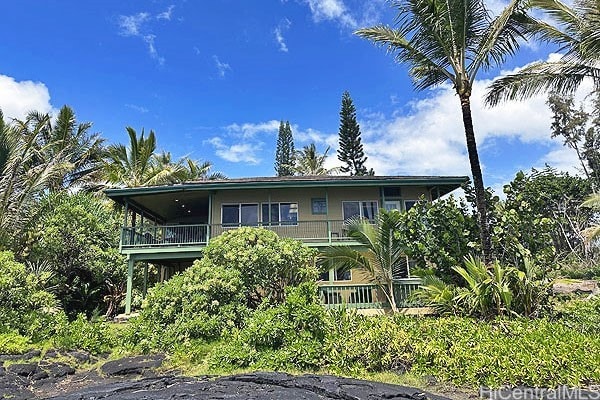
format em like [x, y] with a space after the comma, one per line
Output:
[71, 142]
[138, 164]
[194, 170]
[25, 173]
[310, 162]
[577, 32]
[451, 41]
[383, 256]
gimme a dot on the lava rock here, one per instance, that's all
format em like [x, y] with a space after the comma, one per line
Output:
[26, 370]
[15, 357]
[58, 370]
[52, 353]
[258, 386]
[132, 365]
[80, 356]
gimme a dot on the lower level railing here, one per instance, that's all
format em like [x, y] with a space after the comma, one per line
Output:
[369, 296]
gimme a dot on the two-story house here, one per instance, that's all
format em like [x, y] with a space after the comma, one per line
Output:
[170, 225]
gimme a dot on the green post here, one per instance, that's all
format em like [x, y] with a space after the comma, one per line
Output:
[145, 288]
[210, 217]
[130, 262]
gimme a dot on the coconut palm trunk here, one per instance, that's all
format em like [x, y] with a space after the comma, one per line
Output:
[484, 234]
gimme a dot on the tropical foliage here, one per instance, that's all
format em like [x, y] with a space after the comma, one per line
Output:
[76, 238]
[451, 42]
[383, 258]
[309, 162]
[36, 155]
[575, 30]
[490, 291]
[266, 262]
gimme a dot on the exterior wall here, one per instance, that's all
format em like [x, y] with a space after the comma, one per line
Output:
[304, 196]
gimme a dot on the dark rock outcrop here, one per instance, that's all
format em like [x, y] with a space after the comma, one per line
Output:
[132, 365]
[258, 386]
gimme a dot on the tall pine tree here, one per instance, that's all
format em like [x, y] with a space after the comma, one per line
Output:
[351, 151]
[284, 155]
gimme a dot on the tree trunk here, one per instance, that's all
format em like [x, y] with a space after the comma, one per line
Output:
[480, 200]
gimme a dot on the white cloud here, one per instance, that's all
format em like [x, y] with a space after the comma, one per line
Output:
[131, 24]
[166, 15]
[283, 26]
[222, 67]
[138, 25]
[239, 152]
[364, 13]
[137, 108]
[17, 98]
[248, 130]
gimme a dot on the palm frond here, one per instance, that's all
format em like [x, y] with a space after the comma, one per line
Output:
[561, 77]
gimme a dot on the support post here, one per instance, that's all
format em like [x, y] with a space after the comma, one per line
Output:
[125, 229]
[210, 216]
[130, 262]
[145, 287]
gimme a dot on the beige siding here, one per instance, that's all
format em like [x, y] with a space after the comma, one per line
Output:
[415, 193]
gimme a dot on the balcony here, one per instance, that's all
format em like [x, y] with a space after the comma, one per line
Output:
[161, 236]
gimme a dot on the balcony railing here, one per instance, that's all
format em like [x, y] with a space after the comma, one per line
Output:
[369, 296]
[200, 234]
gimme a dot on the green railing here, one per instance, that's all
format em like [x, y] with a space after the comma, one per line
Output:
[200, 234]
[368, 296]
[164, 235]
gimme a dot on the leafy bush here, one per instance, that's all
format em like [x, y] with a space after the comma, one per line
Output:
[13, 343]
[203, 302]
[289, 335]
[77, 235]
[355, 342]
[266, 262]
[81, 334]
[439, 235]
[490, 291]
[24, 306]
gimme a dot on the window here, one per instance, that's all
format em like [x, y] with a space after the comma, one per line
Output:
[280, 213]
[392, 191]
[363, 209]
[338, 275]
[324, 276]
[319, 206]
[239, 214]
[408, 204]
[342, 275]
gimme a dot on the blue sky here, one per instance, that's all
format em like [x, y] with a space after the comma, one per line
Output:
[213, 78]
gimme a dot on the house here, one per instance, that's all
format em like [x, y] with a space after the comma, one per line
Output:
[170, 225]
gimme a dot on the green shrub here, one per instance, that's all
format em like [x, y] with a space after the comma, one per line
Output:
[490, 291]
[13, 343]
[355, 342]
[581, 315]
[24, 306]
[459, 350]
[81, 334]
[290, 335]
[201, 303]
[266, 262]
